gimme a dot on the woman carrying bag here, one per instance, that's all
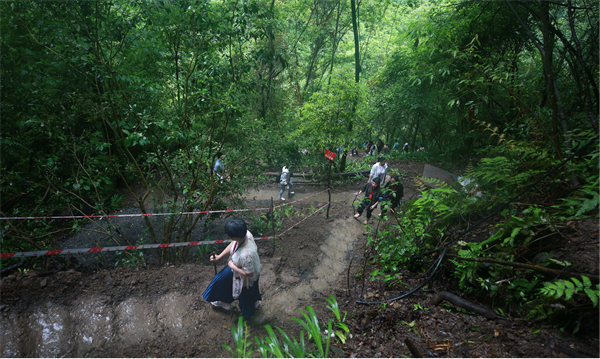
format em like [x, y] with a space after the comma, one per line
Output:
[239, 280]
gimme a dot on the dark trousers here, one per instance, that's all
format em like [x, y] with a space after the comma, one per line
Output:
[392, 205]
[220, 289]
[366, 203]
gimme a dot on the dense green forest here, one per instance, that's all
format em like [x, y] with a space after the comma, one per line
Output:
[101, 96]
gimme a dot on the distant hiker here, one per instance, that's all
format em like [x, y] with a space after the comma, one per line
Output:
[379, 170]
[219, 166]
[285, 182]
[371, 200]
[379, 146]
[239, 280]
[392, 192]
[395, 145]
[385, 148]
[405, 147]
[369, 149]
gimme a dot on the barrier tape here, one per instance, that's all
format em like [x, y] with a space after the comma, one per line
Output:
[141, 246]
[162, 214]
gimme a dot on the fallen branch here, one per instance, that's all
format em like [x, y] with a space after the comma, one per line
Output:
[561, 274]
[459, 302]
[12, 267]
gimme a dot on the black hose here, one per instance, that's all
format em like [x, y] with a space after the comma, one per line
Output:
[415, 288]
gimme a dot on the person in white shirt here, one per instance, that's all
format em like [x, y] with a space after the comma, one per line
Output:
[379, 170]
[285, 182]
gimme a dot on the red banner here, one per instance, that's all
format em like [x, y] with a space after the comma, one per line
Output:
[329, 155]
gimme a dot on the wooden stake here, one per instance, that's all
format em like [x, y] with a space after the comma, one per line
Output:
[328, 187]
[272, 228]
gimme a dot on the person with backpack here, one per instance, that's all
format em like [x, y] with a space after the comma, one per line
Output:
[379, 146]
[371, 200]
[392, 192]
[285, 181]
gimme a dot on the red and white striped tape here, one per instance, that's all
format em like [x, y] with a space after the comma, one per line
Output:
[142, 246]
[162, 214]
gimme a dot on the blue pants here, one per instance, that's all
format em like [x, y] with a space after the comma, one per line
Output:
[283, 188]
[220, 290]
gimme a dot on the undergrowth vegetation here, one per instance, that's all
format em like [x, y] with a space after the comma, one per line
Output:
[484, 259]
[316, 344]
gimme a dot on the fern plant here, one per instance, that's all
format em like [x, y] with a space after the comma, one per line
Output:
[567, 289]
[584, 200]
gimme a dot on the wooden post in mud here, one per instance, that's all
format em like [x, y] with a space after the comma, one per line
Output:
[329, 188]
[329, 203]
[271, 217]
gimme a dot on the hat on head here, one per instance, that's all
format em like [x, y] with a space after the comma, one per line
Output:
[377, 180]
[284, 169]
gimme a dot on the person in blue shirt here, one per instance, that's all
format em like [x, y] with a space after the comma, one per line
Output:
[219, 166]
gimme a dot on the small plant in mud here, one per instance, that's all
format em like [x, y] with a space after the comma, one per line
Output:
[258, 225]
[130, 258]
[203, 249]
[288, 211]
[316, 344]
[341, 330]
[243, 349]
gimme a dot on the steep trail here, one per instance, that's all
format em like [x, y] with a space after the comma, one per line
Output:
[160, 311]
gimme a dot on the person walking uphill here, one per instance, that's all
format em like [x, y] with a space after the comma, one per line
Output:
[379, 170]
[285, 181]
[371, 200]
[240, 278]
[392, 192]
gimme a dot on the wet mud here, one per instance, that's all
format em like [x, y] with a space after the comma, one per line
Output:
[76, 314]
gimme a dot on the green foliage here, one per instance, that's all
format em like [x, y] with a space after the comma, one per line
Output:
[419, 225]
[586, 198]
[515, 233]
[341, 330]
[270, 346]
[131, 258]
[258, 224]
[567, 289]
[243, 349]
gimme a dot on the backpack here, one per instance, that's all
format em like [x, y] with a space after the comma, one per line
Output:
[278, 178]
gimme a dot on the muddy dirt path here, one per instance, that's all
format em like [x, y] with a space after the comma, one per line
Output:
[158, 310]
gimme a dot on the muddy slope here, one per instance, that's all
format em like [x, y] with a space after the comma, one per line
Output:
[159, 310]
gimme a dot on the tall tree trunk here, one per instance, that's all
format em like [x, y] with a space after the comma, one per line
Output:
[356, 76]
[548, 41]
[334, 46]
[586, 85]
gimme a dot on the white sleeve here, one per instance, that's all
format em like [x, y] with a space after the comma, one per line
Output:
[374, 170]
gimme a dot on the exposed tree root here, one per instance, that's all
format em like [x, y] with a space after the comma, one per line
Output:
[459, 302]
[413, 348]
[562, 274]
